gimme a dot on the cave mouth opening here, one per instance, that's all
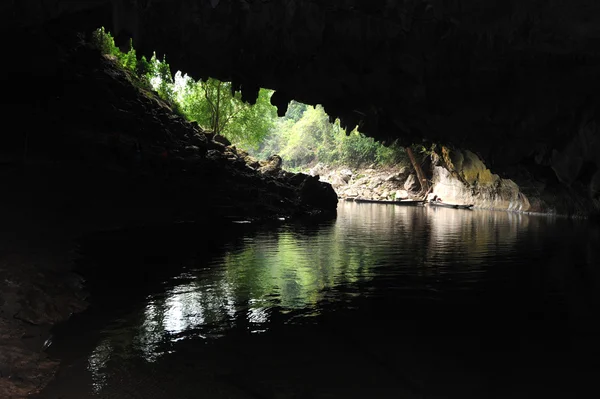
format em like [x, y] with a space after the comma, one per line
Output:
[304, 136]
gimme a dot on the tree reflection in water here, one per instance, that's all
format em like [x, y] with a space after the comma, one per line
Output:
[373, 267]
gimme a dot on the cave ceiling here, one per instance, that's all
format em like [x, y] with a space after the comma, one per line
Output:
[482, 73]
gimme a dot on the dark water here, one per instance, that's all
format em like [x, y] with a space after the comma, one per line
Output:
[384, 302]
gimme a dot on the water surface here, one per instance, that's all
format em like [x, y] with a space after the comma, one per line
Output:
[384, 302]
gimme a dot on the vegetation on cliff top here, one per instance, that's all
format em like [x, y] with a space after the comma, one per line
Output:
[303, 137]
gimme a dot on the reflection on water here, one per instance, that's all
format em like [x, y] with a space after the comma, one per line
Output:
[376, 261]
[97, 362]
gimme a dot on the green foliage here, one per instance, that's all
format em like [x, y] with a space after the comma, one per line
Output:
[161, 79]
[104, 42]
[129, 59]
[305, 136]
[216, 107]
[393, 154]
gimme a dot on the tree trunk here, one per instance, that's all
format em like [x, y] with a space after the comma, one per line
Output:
[417, 167]
[218, 111]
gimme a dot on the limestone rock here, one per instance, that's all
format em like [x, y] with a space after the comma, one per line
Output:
[272, 166]
[399, 176]
[346, 175]
[318, 169]
[401, 195]
[411, 183]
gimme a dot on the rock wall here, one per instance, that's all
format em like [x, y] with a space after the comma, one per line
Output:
[461, 177]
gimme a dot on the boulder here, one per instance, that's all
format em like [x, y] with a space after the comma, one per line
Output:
[345, 175]
[198, 140]
[314, 193]
[296, 179]
[272, 166]
[221, 139]
[411, 183]
[401, 195]
[337, 181]
[318, 169]
[400, 176]
[251, 162]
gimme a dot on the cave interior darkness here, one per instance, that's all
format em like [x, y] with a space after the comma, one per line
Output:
[514, 81]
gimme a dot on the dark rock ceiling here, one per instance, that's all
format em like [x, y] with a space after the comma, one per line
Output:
[512, 79]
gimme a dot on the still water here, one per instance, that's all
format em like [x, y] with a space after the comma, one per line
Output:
[384, 302]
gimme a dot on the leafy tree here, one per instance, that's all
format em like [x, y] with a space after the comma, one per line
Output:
[295, 110]
[160, 78]
[305, 136]
[104, 42]
[129, 59]
[214, 105]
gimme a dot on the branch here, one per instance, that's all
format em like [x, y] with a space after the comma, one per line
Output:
[212, 105]
[230, 117]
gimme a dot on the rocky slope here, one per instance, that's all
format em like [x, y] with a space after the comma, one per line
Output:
[93, 151]
[382, 184]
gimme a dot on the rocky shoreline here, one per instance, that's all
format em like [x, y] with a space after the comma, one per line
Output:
[459, 177]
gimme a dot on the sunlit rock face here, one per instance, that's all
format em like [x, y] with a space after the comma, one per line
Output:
[460, 177]
[515, 81]
[502, 194]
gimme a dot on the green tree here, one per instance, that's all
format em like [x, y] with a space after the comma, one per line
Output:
[215, 106]
[160, 78]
